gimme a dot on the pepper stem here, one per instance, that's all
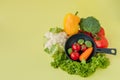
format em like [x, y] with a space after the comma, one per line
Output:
[96, 36]
[76, 13]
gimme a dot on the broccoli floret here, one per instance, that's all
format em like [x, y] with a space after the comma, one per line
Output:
[90, 24]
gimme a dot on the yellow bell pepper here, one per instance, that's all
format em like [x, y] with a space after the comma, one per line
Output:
[71, 22]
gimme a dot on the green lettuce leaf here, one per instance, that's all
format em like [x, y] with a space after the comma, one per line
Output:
[56, 30]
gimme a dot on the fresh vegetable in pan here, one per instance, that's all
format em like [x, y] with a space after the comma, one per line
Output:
[86, 54]
[80, 50]
[74, 55]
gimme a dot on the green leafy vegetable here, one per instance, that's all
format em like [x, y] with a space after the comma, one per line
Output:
[46, 50]
[80, 68]
[88, 43]
[69, 50]
[56, 48]
[81, 41]
[58, 59]
[90, 24]
[102, 60]
[55, 30]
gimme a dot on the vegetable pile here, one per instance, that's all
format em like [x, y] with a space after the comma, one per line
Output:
[80, 50]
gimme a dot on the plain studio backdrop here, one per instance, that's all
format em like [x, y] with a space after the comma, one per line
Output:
[22, 27]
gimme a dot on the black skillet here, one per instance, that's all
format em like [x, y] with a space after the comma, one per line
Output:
[76, 37]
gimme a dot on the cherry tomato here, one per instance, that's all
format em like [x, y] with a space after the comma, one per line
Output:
[74, 55]
[101, 32]
[76, 47]
[83, 47]
[102, 42]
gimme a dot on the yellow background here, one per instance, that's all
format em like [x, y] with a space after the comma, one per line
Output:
[23, 24]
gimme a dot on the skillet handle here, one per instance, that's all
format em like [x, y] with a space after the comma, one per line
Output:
[107, 50]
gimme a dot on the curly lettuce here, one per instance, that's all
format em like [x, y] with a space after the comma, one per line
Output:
[82, 69]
